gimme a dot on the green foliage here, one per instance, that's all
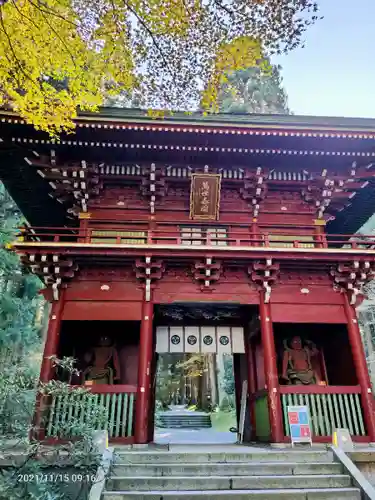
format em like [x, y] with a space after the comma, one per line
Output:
[224, 419]
[18, 291]
[193, 366]
[32, 459]
[254, 91]
[167, 381]
[58, 56]
[228, 380]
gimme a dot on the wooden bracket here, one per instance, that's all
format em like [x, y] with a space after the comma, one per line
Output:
[71, 184]
[153, 185]
[206, 273]
[254, 189]
[265, 275]
[350, 278]
[147, 272]
[53, 269]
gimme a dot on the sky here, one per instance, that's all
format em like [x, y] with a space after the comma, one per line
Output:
[334, 74]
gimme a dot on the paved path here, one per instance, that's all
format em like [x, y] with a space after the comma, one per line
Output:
[193, 436]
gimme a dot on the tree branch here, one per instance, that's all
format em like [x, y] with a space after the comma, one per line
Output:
[154, 41]
[17, 61]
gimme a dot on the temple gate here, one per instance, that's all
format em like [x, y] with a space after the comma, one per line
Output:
[128, 215]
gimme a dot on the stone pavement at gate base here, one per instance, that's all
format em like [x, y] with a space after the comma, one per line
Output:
[196, 436]
[227, 471]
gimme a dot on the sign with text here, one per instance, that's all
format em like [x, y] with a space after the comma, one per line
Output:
[205, 196]
[342, 439]
[299, 424]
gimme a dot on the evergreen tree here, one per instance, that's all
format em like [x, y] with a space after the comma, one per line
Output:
[228, 382]
[254, 91]
[18, 291]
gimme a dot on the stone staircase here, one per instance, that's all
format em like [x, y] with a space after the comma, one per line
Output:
[184, 420]
[243, 475]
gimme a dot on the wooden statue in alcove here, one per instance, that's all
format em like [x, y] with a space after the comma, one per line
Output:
[103, 361]
[297, 366]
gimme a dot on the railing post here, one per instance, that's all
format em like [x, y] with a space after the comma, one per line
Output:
[361, 369]
[320, 236]
[254, 234]
[83, 226]
[88, 235]
[270, 368]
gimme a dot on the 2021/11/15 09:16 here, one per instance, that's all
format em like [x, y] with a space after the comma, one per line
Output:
[56, 478]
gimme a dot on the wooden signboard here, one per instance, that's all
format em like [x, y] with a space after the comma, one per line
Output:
[205, 196]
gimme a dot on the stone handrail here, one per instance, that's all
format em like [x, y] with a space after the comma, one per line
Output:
[367, 490]
[105, 464]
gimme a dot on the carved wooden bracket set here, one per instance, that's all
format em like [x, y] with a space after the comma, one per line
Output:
[147, 271]
[254, 189]
[54, 270]
[350, 278]
[264, 275]
[335, 193]
[153, 185]
[206, 273]
[72, 185]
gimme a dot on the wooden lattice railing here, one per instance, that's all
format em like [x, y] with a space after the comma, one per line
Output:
[110, 408]
[230, 235]
[332, 407]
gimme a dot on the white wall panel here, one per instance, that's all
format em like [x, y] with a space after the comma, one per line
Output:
[238, 344]
[176, 339]
[192, 339]
[224, 341]
[162, 339]
[208, 339]
[203, 339]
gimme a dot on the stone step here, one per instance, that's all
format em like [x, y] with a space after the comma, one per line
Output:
[232, 469]
[184, 425]
[164, 457]
[203, 416]
[183, 483]
[184, 417]
[187, 421]
[281, 494]
[177, 421]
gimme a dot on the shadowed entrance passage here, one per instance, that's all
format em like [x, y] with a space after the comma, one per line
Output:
[199, 349]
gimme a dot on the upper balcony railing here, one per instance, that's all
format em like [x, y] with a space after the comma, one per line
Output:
[221, 236]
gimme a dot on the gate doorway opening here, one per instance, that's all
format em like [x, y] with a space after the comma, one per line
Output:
[195, 399]
[200, 366]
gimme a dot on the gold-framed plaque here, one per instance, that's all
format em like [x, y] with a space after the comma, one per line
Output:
[205, 196]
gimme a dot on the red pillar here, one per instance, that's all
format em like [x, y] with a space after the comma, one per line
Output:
[50, 349]
[270, 367]
[53, 337]
[142, 403]
[360, 367]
